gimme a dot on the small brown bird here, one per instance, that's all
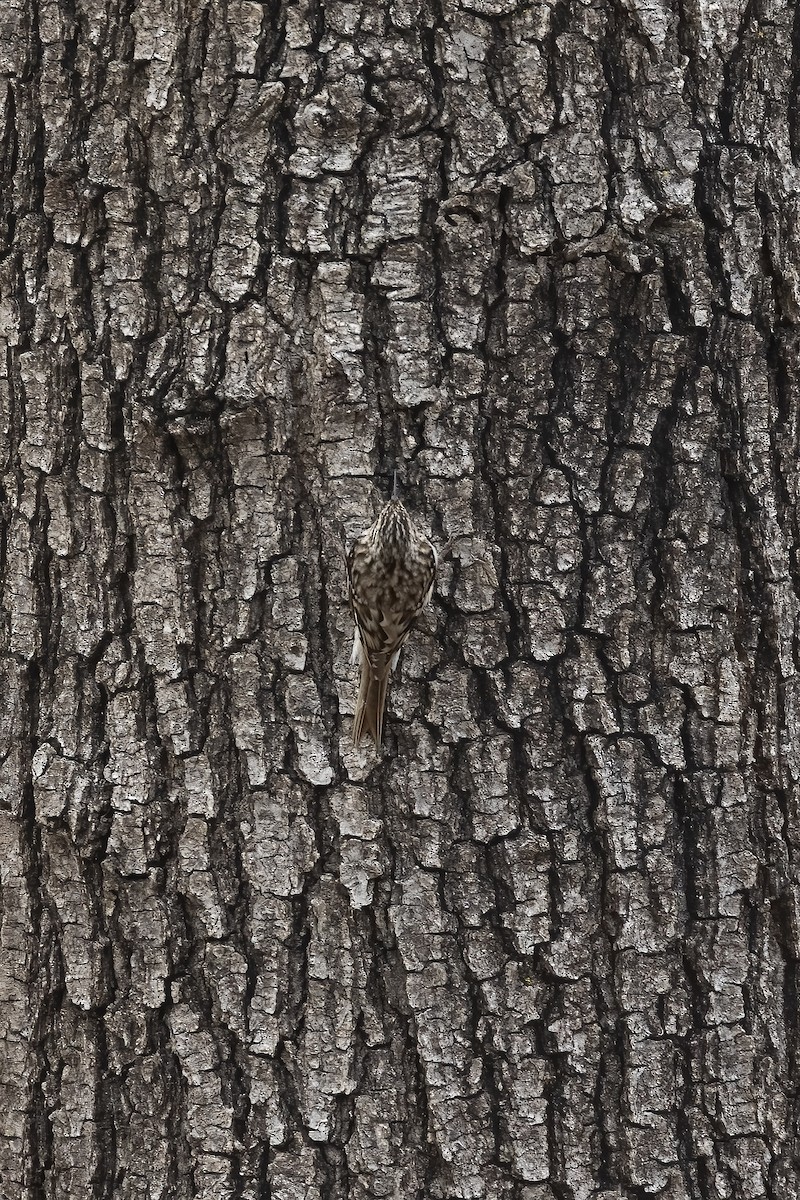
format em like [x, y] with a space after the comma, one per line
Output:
[392, 569]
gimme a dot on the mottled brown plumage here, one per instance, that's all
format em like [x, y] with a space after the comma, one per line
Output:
[392, 568]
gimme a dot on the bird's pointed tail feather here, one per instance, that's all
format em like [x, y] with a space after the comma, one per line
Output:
[370, 702]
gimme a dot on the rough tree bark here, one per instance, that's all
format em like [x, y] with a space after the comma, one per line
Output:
[545, 256]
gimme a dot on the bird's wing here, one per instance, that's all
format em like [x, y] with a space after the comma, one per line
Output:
[384, 615]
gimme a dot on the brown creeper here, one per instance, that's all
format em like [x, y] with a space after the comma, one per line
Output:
[392, 568]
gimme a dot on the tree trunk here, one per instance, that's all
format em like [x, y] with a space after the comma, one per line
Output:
[543, 258]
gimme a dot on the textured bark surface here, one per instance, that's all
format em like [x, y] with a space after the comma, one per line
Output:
[545, 256]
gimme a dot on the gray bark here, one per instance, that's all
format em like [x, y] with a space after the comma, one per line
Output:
[544, 256]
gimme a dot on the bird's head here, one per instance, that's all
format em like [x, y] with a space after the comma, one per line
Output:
[392, 530]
